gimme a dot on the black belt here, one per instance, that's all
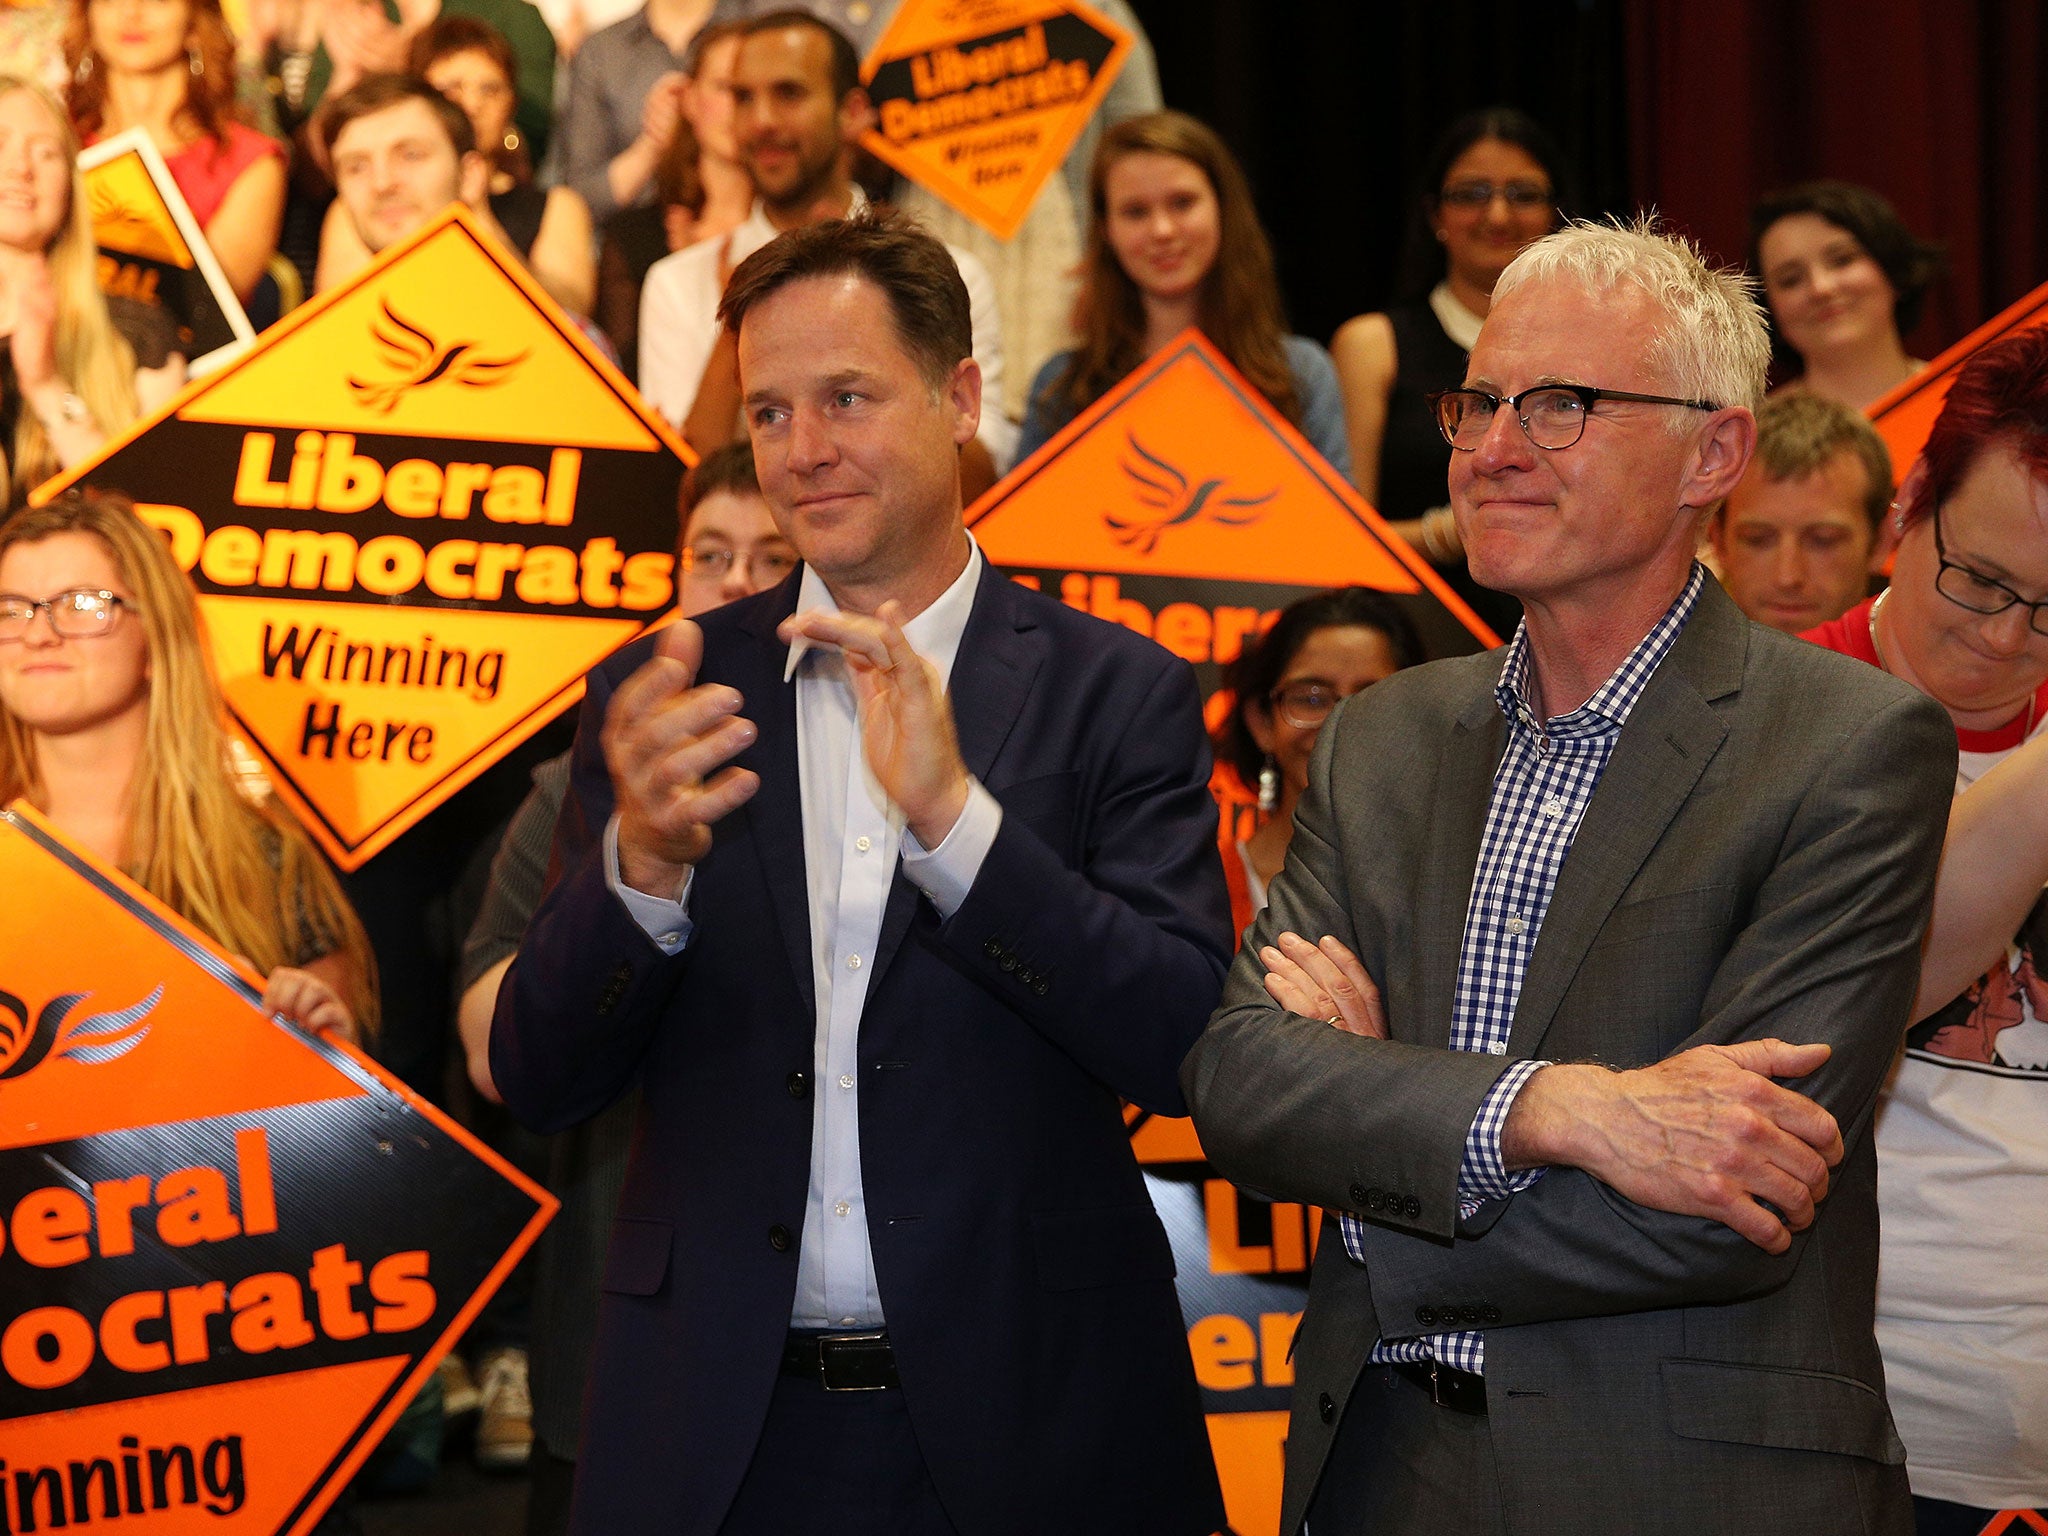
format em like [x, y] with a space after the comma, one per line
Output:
[1447, 1386]
[842, 1362]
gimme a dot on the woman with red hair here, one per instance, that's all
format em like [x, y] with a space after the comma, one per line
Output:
[168, 66]
[1962, 1133]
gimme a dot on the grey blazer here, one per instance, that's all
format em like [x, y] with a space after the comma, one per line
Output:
[1757, 861]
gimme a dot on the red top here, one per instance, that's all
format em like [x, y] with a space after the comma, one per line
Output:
[207, 167]
[1850, 635]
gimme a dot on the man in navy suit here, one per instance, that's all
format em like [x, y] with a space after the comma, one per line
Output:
[884, 885]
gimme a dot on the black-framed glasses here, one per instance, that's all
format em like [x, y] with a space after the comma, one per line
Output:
[1554, 415]
[1976, 591]
[764, 567]
[1306, 705]
[78, 614]
[1474, 195]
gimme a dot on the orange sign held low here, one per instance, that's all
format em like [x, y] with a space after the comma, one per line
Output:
[1182, 505]
[230, 1253]
[1905, 416]
[416, 513]
[980, 100]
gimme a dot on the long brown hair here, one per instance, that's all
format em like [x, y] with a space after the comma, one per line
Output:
[242, 873]
[209, 94]
[1240, 309]
[91, 355]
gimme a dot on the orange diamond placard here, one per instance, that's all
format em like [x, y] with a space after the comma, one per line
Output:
[233, 1252]
[1906, 416]
[980, 100]
[1182, 505]
[417, 512]
[153, 251]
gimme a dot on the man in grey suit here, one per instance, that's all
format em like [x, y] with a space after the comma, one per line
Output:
[1589, 1267]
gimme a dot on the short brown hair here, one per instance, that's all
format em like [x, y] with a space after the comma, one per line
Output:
[916, 274]
[1798, 433]
[845, 58]
[729, 469]
[376, 93]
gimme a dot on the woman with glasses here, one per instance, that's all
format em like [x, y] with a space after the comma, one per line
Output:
[1493, 184]
[1845, 281]
[1174, 241]
[1319, 651]
[112, 726]
[1962, 1133]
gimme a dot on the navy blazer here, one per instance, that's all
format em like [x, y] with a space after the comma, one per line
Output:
[1028, 1283]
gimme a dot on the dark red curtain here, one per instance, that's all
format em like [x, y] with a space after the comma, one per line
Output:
[1936, 103]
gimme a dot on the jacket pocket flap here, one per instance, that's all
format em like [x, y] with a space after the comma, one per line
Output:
[1776, 1406]
[1114, 1245]
[637, 1262]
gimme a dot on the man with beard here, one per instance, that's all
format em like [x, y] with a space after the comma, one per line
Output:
[796, 88]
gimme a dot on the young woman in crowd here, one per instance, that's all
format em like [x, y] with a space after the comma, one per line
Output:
[1318, 652]
[168, 67]
[75, 367]
[1494, 182]
[1845, 281]
[470, 63]
[1174, 241]
[112, 726]
[1962, 1133]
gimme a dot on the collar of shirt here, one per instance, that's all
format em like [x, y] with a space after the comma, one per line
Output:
[1612, 702]
[934, 634]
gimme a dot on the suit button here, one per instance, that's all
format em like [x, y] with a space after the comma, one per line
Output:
[799, 1086]
[1426, 1316]
[1026, 976]
[1489, 1315]
[1469, 1316]
[1007, 961]
[1411, 1208]
[1361, 1197]
[1375, 1200]
[778, 1238]
[1038, 986]
[1326, 1408]
[992, 949]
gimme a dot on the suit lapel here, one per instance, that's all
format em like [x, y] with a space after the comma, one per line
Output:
[1459, 798]
[775, 816]
[992, 674]
[1671, 736]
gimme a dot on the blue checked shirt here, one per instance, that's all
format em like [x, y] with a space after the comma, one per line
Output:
[1541, 790]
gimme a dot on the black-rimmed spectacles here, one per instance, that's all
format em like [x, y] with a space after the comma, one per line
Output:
[1554, 415]
[1976, 591]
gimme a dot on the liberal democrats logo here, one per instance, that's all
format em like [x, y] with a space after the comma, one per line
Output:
[1176, 499]
[58, 1031]
[417, 360]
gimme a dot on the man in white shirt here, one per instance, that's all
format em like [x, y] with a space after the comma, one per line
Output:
[796, 88]
[882, 886]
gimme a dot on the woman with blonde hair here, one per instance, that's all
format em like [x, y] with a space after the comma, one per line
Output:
[113, 727]
[1174, 241]
[168, 67]
[75, 367]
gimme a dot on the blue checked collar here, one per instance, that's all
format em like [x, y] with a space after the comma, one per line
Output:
[1607, 711]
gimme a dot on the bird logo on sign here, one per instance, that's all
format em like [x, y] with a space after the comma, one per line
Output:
[89, 1038]
[1175, 499]
[418, 360]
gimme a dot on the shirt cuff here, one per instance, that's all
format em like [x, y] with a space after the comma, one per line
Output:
[1481, 1176]
[665, 922]
[946, 873]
